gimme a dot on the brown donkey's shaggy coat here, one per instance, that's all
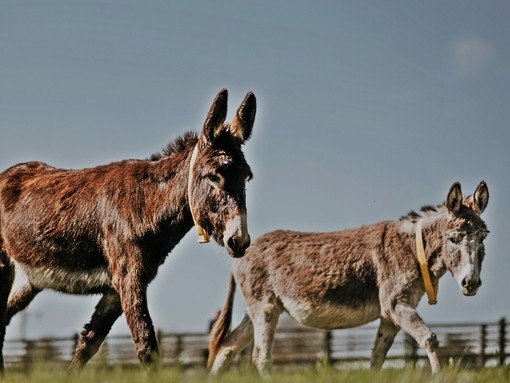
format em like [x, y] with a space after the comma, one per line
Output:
[349, 278]
[106, 230]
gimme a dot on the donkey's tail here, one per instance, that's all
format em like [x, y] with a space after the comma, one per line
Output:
[222, 325]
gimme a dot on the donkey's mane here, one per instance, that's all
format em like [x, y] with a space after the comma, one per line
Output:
[425, 211]
[183, 142]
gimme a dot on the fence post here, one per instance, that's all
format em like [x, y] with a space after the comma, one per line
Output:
[159, 339]
[76, 339]
[483, 345]
[502, 341]
[327, 347]
[178, 349]
[27, 359]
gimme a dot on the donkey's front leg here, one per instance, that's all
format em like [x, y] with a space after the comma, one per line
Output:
[133, 298]
[408, 319]
[106, 313]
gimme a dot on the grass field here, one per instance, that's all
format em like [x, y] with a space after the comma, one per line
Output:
[322, 375]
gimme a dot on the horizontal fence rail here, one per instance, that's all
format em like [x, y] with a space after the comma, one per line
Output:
[472, 345]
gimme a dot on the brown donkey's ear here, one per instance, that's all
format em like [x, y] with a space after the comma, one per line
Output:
[481, 198]
[454, 198]
[216, 117]
[242, 124]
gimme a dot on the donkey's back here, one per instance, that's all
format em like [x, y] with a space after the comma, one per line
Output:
[14, 180]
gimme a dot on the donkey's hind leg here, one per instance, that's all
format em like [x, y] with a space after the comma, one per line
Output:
[106, 313]
[383, 341]
[6, 279]
[22, 293]
[234, 343]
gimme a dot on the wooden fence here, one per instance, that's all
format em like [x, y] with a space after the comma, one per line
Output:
[467, 344]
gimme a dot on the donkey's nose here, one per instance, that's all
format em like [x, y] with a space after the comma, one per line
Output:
[471, 282]
[471, 285]
[237, 246]
[236, 238]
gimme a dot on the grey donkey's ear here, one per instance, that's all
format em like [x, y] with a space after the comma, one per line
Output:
[454, 199]
[216, 117]
[242, 124]
[481, 198]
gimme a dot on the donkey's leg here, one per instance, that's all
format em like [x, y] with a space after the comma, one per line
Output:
[6, 279]
[234, 343]
[264, 316]
[133, 299]
[408, 319]
[106, 313]
[20, 298]
[383, 341]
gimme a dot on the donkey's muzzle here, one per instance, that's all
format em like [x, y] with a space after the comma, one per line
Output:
[236, 237]
[237, 248]
[470, 286]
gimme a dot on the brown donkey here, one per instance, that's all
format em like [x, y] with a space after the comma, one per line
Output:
[348, 278]
[106, 230]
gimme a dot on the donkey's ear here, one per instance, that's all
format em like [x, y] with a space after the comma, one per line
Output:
[242, 124]
[454, 198]
[216, 117]
[481, 198]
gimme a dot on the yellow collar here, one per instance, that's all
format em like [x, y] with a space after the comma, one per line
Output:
[430, 287]
[203, 236]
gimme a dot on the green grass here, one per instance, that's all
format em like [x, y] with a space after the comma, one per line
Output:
[43, 373]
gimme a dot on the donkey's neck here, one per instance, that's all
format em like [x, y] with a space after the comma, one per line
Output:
[168, 215]
[434, 222]
[434, 229]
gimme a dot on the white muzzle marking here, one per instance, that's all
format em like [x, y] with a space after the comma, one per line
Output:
[236, 232]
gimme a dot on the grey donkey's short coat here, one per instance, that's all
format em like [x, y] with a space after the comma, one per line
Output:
[349, 278]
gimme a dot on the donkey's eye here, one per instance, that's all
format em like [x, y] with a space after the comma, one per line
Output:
[455, 238]
[214, 179]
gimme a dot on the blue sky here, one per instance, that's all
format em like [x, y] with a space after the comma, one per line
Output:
[366, 110]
